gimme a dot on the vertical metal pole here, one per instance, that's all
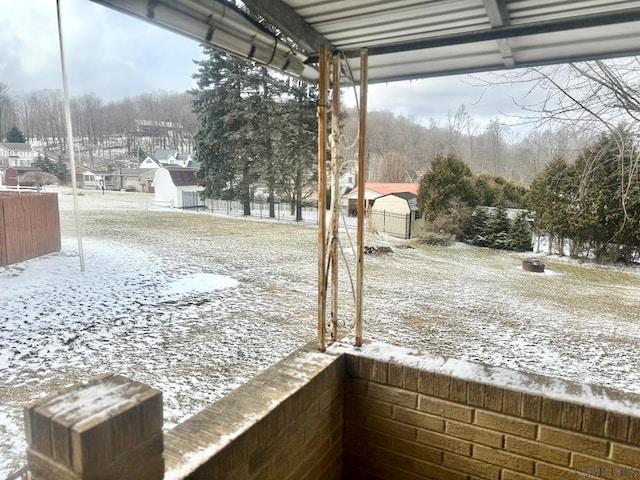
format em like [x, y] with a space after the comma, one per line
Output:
[362, 137]
[335, 193]
[72, 160]
[323, 85]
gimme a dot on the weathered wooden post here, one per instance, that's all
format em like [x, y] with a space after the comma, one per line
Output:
[108, 428]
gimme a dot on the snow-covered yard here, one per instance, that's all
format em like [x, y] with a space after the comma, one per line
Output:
[196, 304]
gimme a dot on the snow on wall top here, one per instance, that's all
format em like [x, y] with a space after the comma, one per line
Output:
[595, 396]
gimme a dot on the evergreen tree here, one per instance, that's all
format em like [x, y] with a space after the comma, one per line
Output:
[47, 165]
[519, 234]
[498, 229]
[492, 191]
[595, 202]
[253, 126]
[448, 178]
[62, 172]
[230, 144]
[607, 198]
[297, 142]
[14, 135]
[479, 223]
[550, 197]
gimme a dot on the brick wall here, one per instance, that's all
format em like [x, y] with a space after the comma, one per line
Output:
[407, 422]
[284, 424]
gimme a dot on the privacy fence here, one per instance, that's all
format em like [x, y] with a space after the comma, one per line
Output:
[29, 226]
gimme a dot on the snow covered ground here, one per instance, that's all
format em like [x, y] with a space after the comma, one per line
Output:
[196, 304]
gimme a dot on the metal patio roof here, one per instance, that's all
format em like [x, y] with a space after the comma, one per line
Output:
[410, 39]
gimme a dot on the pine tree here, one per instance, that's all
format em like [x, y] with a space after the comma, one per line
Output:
[479, 225]
[448, 178]
[550, 197]
[45, 164]
[519, 238]
[14, 135]
[229, 144]
[498, 229]
[297, 141]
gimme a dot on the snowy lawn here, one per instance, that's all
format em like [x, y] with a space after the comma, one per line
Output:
[196, 304]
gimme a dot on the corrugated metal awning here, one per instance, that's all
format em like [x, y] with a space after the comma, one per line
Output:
[410, 38]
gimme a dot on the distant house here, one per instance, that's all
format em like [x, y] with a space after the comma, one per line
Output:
[171, 158]
[17, 155]
[396, 214]
[376, 190]
[133, 179]
[149, 163]
[85, 178]
[105, 177]
[176, 187]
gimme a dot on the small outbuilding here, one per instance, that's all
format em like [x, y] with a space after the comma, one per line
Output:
[176, 187]
[372, 191]
[11, 176]
[396, 214]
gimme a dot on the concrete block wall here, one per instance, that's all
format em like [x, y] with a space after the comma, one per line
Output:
[286, 423]
[408, 422]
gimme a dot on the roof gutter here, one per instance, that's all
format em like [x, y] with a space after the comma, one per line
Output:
[219, 25]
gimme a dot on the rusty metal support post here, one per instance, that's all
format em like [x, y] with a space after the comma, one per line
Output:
[362, 144]
[335, 193]
[323, 86]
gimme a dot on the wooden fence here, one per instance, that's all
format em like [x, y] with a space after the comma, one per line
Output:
[29, 226]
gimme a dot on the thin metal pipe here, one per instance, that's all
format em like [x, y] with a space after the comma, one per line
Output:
[67, 117]
[362, 144]
[322, 194]
[335, 192]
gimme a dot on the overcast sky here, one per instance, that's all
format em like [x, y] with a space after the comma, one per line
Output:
[114, 55]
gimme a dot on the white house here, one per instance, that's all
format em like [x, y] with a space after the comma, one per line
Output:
[17, 154]
[176, 187]
[149, 163]
[85, 178]
[171, 157]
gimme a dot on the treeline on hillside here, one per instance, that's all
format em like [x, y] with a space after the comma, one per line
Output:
[589, 207]
[99, 126]
[399, 145]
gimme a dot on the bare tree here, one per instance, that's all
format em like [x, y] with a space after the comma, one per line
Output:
[6, 109]
[39, 179]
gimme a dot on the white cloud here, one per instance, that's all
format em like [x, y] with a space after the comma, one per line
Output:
[107, 52]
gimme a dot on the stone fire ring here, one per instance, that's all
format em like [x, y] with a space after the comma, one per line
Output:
[533, 265]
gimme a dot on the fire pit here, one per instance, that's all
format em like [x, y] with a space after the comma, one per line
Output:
[533, 265]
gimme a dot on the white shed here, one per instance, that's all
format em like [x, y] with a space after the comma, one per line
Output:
[397, 214]
[176, 187]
